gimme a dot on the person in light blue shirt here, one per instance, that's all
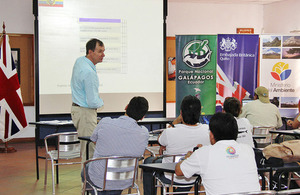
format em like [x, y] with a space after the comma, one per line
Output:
[85, 92]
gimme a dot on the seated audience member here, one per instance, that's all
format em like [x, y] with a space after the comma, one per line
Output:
[119, 137]
[233, 106]
[186, 134]
[261, 112]
[295, 123]
[226, 166]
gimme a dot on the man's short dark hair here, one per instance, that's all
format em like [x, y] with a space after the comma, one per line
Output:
[137, 108]
[223, 126]
[233, 106]
[91, 45]
[190, 109]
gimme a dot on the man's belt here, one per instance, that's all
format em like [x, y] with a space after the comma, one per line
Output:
[74, 104]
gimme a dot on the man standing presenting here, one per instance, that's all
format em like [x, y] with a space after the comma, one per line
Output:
[85, 94]
[261, 112]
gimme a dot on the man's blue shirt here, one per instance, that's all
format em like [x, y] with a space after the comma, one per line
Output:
[85, 84]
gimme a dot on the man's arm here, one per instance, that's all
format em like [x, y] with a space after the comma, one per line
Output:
[296, 123]
[279, 120]
[178, 120]
[178, 171]
[91, 83]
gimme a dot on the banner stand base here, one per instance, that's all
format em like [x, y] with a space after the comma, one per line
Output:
[7, 149]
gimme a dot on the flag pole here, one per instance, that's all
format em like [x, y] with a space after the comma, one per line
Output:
[7, 149]
[3, 33]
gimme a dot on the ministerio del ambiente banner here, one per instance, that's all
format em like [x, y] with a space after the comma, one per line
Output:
[196, 70]
[279, 71]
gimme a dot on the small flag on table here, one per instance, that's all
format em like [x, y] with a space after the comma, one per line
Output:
[12, 115]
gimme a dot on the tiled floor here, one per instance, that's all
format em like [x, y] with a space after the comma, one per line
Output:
[18, 174]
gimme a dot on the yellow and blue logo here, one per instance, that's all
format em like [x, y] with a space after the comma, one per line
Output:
[281, 71]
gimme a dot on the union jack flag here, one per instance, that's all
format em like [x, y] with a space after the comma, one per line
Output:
[225, 88]
[12, 115]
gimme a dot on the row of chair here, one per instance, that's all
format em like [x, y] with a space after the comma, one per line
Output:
[65, 146]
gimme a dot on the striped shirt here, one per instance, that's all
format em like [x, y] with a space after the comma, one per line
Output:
[116, 137]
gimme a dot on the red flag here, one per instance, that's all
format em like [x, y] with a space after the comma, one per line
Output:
[12, 115]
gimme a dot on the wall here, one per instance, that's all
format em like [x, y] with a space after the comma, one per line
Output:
[282, 17]
[198, 18]
[17, 15]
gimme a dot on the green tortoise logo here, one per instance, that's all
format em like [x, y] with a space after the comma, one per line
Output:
[196, 54]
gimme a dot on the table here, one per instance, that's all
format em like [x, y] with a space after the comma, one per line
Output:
[54, 123]
[88, 139]
[152, 121]
[294, 132]
[165, 167]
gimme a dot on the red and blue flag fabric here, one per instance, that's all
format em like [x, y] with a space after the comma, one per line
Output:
[237, 67]
[12, 115]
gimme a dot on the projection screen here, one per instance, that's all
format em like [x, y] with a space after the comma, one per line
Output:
[132, 31]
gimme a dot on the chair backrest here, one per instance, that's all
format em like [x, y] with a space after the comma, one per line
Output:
[116, 168]
[263, 192]
[260, 130]
[67, 145]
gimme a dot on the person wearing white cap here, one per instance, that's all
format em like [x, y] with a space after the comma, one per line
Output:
[261, 112]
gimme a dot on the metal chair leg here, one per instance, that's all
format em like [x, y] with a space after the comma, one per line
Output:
[46, 171]
[289, 180]
[53, 183]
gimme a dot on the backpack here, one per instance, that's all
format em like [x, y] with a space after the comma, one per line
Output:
[288, 151]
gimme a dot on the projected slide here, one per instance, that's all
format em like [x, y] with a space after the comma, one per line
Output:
[114, 32]
[132, 32]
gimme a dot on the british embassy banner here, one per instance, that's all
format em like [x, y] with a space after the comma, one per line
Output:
[237, 66]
